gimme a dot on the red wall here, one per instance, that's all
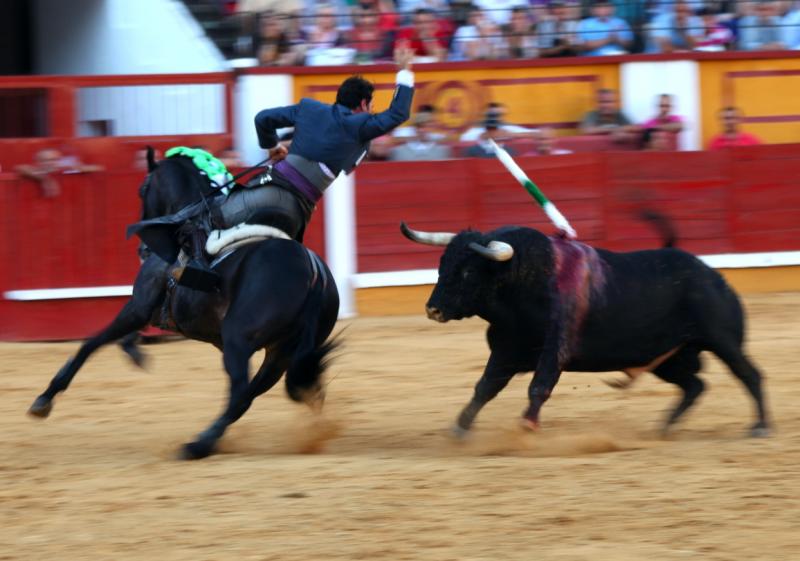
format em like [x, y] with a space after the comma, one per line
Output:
[744, 200]
[76, 239]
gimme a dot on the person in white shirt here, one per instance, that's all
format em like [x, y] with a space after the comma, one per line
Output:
[499, 11]
[496, 111]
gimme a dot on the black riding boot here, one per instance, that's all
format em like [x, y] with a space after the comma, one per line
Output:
[197, 274]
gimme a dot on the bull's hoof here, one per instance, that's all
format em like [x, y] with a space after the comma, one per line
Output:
[41, 407]
[760, 430]
[197, 450]
[458, 432]
[529, 424]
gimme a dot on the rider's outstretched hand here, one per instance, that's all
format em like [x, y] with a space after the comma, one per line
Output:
[403, 55]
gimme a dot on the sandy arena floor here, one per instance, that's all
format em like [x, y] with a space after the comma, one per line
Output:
[378, 478]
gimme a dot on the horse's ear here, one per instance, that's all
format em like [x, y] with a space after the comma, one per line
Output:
[151, 159]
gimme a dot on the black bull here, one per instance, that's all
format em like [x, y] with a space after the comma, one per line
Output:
[274, 295]
[556, 305]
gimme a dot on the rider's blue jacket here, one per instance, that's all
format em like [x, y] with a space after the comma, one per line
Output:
[332, 134]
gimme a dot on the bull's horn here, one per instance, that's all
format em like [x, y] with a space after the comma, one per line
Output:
[430, 238]
[496, 251]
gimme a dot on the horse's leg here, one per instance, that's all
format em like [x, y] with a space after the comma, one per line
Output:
[275, 364]
[129, 346]
[236, 356]
[148, 294]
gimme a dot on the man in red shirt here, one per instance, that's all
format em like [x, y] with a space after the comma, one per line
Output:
[428, 36]
[731, 136]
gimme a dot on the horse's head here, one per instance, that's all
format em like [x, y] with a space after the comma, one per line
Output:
[170, 185]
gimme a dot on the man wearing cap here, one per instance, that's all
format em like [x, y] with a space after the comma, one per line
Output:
[492, 130]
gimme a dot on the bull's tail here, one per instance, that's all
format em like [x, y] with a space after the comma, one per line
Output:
[311, 357]
[663, 224]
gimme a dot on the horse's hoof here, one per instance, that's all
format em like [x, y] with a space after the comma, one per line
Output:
[459, 432]
[196, 450]
[137, 357]
[41, 407]
[760, 431]
[529, 424]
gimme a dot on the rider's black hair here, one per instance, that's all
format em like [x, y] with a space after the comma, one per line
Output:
[353, 91]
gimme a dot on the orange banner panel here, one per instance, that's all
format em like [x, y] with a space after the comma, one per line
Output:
[554, 96]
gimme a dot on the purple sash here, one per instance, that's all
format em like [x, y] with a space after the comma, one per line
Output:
[298, 181]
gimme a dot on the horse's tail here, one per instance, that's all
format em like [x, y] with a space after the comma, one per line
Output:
[310, 359]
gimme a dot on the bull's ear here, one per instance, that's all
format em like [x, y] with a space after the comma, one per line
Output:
[151, 159]
[496, 251]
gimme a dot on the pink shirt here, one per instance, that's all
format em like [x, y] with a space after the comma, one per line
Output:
[655, 121]
[742, 139]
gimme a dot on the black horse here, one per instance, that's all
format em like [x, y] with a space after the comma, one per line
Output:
[274, 295]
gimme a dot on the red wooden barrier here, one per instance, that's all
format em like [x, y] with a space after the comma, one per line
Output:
[74, 240]
[744, 200]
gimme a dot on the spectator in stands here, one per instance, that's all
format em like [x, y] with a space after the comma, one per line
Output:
[604, 34]
[48, 163]
[491, 130]
[407, 8]
[731, 117]
[495, 111]
[665, 121]
[545, 143]
[678, 30]
[366, 37]
[324, 33]
[716, 37]
[499, 11]
[558, 32]
[521, 40]
[607, 119]
[790, 35]
[425, 145]
[655, 140]
[479, 39]
[427, 37]
[434, 129]
[761, 31]
[272, 44]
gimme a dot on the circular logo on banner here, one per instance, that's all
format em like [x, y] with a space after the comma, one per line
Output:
[460, 104]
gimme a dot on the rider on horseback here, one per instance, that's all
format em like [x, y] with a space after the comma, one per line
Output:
[328, 139]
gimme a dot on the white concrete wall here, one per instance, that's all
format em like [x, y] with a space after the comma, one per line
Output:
[154, 110]
[642, 82]
[252, 94]
[120, 37]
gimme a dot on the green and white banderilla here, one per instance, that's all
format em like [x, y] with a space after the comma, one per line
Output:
[549, 208]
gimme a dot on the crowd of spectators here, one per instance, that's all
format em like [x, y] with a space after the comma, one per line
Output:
[297, 32]
[606, 127]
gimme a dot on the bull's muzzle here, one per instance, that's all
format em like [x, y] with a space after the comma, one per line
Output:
[435, 314]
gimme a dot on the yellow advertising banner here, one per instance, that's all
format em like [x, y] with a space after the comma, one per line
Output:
[766, 91]
[557, 96]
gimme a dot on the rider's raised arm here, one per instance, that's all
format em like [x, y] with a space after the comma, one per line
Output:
[399, 110]
[269, 121]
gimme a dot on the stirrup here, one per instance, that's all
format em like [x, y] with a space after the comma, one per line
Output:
[198, 276]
